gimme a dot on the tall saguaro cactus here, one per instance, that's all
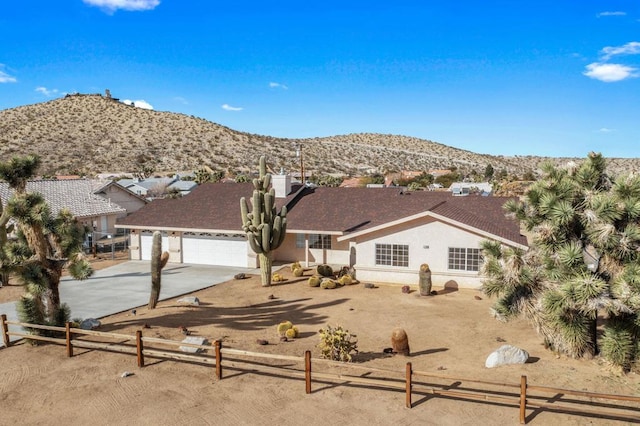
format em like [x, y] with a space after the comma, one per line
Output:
[158, 261]
[264, 226]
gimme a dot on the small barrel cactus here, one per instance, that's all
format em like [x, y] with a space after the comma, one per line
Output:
[277, 277]
[345, 280]
[328, 284]
[295, 265]
[283, 327]
[314, 281]
[291, 333]
[325, 270]
[298, 272]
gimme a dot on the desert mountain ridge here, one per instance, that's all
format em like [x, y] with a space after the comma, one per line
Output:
[92, 134]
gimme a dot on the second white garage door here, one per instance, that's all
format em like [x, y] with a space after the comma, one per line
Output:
[214, 249]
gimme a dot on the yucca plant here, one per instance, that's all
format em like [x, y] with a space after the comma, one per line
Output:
[44, 246]
[582, 264]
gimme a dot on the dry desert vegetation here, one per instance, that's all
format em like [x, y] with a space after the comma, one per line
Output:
[92, 134]
[450, 334]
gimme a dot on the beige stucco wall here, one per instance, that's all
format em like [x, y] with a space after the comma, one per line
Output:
[175, 246]
[134, 245]
[338, 255]
[428, 241]
[124, 199]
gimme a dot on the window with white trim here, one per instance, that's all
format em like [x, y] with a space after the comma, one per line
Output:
[316, 241]
[465, 259]
[392, 255]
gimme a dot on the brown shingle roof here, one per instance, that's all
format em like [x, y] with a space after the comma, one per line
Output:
[327, 210]
[214, 206]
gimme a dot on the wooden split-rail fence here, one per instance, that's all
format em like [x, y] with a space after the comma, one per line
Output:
[522, 395]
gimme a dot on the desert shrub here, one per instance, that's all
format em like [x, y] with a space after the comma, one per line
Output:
[337, 343]
[295, 265]
[298, 272]
[325, 270]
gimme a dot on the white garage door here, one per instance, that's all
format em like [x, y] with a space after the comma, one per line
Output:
[146, 239]
[214, 249]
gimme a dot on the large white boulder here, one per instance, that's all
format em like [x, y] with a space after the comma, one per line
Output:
[506, 355]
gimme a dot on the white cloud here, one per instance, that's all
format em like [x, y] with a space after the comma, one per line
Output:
[6, 78]
[47, 92]
[631, 48]
[111, 6]
[611, 13]
[228, 107]
[139, 103]
[606, 130]
[610, 72]
[275, 85]
[181, 100]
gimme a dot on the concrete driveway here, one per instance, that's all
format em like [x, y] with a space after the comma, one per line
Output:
[128, 285]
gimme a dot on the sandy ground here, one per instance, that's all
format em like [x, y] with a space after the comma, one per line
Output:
[450, 334]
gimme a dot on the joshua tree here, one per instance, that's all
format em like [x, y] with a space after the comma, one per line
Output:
[207, 174]
[44, 246]
[583, 263]
[265, 228]
[158, 261]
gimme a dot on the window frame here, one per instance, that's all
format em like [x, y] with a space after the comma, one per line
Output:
[395, 255]
[466, 259]
[316, 241]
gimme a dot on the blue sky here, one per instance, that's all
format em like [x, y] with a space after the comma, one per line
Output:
[553, 78]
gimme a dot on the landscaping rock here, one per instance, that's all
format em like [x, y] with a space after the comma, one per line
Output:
[369, 285]
[194, 340]
[190, 300]
[506, 355]
[90, 324]
[240, 276]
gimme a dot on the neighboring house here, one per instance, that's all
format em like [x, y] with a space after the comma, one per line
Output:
[143, 186]
[385, 233]
[76, 195]
[184, 187]
[466, 188]
[123, 197]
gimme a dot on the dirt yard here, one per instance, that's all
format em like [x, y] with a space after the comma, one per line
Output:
[450, 334]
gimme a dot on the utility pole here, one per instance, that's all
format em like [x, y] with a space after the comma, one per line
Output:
[299, 154]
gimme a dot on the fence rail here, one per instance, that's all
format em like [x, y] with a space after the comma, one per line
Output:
[519, 395]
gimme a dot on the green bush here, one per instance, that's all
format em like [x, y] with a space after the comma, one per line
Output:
[337, 343]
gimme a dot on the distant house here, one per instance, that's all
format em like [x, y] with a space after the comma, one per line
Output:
[385, 233]
[152, 187]
[466, 188]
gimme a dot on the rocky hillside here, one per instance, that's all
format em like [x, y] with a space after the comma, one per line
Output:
[91, 134]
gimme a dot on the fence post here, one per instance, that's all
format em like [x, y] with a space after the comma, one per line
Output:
[5, 330]
[523, 400]
[218, 345]
[408, 384]
[307, 371]
[139, 348]
[67, 329]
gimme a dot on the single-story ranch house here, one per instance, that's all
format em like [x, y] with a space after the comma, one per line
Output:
[385, 233]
